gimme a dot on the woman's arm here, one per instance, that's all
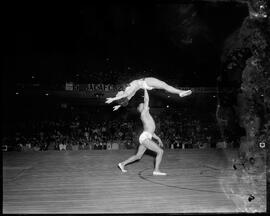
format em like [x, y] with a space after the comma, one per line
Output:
[128, 92]
[119, 95]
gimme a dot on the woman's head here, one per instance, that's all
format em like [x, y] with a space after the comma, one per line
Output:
[120, 93]
[123, 87]
[123, 101]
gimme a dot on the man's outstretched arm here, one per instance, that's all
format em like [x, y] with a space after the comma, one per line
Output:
[146, 99]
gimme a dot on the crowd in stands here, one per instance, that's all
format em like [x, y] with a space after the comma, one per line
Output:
[94, 131]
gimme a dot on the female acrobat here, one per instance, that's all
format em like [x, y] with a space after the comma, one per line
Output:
[149, 83]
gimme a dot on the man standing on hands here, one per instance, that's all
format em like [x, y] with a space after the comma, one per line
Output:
[145, 138]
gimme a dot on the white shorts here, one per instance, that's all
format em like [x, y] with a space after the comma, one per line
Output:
[145, 135]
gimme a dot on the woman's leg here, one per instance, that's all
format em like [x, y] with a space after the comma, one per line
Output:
[156, 83]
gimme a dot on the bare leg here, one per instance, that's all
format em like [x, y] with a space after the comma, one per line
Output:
[153, 82]
[154, 147]
[169, 88]
[133, 158]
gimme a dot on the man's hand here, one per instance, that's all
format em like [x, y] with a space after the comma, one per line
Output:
[145, 86]
[160, 142]
[158, 139]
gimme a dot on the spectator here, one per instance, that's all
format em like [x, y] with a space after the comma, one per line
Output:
[85, 133]
[62, 147]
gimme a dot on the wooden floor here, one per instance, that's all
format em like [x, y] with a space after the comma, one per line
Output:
[90, 182]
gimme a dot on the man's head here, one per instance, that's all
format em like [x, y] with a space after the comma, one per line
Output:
[140, 107]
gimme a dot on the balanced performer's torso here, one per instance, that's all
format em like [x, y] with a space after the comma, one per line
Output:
[148, 122]
[144, 82]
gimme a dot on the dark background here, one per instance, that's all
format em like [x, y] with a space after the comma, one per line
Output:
[51, 44]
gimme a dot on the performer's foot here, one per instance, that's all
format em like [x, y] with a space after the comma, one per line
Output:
[158, 173]
[121, 167]
[185, 93]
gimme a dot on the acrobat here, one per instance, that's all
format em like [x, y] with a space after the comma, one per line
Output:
[145, 139]
[149, 83]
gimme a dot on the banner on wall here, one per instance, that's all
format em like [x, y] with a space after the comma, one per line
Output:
[112, 88]
[92, 87]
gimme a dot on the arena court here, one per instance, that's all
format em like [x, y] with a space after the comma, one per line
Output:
[90, 182]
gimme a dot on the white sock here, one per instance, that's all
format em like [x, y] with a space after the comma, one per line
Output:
[159, 173]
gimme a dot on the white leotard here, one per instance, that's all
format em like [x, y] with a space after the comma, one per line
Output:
[143, 84]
